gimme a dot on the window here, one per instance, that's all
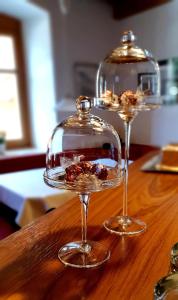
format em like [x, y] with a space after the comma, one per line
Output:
[13, 99]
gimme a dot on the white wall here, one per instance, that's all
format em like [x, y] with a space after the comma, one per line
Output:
[37, 39]
[89, 34]
[59, 46]
[83, 35]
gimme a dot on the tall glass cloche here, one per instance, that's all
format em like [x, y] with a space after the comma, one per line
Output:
[84, 155]
[128, 81]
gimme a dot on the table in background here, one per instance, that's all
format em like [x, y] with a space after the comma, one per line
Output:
[27, 194]
[21, 159]
[30, 269]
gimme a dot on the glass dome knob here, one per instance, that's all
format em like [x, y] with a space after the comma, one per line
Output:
[83, 105]
[128, 37]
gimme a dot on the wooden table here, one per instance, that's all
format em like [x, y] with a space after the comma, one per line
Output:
[30, 269]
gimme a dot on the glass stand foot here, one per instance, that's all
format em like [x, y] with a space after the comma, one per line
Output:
[124, 225]
[83, 255]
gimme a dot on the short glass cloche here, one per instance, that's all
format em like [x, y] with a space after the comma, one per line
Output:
[84, 155]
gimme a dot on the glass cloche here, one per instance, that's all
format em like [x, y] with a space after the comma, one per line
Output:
[128, 82]
[128, 78]
[84, 155]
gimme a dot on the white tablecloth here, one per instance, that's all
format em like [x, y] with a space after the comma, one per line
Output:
[26, 192]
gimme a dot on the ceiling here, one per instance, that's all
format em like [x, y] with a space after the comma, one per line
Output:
[126, 8]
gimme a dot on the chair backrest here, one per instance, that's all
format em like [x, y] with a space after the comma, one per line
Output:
[22, 162]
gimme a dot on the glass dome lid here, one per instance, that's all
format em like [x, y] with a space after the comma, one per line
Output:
[128, 52]
[84, 152]
[128, 77]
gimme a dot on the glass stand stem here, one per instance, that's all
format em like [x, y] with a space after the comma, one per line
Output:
[125, 225]
[84, 199]
[127, 127]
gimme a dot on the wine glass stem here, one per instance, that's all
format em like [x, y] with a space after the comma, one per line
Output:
[127, 127]
[84, 199]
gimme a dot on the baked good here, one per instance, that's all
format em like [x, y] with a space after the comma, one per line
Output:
[125, 99]
[170, 155]
[85, 171]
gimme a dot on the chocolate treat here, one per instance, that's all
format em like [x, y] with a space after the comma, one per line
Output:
[82, 169]
[86, 166]
[100, 171]
[103, 174]
[72, 172]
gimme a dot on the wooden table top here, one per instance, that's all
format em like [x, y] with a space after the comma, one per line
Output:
[30, 269]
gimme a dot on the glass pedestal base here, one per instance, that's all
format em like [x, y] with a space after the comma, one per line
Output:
[83, 255]
[124, 225]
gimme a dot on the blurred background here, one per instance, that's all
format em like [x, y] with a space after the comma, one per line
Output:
[49, 54]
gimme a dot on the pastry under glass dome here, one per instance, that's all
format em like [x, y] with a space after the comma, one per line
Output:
[128, 81]
[84, 155]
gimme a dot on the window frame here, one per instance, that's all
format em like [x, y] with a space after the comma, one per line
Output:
[12, 27]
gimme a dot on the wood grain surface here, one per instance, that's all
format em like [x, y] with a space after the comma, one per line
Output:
[30, 269]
